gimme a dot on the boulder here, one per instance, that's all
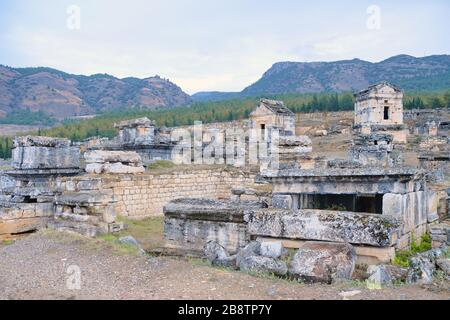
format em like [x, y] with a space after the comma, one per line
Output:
[386, 274]
[271, 249]
[433, 254]
[379, 276]
[251, 249]
[129, 240]
[323, 262]
[263, 264]
[218, 255]
[444, 265]
[421, 270]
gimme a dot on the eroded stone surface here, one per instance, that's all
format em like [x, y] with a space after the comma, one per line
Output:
[323, 262]
[218, 255]
[336, 226]
[263, 264]
[103, 156]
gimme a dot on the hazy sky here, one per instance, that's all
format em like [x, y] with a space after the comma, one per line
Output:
[211, 44]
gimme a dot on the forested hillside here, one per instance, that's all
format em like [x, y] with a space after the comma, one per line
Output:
[219, 111]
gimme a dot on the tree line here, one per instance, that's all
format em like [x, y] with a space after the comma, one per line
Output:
[217, 111]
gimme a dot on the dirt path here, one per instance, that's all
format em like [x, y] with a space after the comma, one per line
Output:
[36, 268]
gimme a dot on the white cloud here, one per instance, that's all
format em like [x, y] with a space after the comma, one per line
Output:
[211, 45]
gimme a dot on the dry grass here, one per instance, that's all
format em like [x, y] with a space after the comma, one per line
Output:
[148, 232]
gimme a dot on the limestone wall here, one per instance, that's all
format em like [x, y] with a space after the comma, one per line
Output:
[144, 195]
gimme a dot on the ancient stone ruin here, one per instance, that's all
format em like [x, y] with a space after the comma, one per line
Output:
[28, 191]
[379, 108]
[330, 215]
[141, 136]
[298, 215]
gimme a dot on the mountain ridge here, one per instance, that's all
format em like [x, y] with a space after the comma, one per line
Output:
[406, 71]
[62, 94]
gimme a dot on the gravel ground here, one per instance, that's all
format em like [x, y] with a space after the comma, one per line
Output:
[36, 267]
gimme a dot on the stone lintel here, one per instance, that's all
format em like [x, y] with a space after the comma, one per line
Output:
[208, 209]
[324, 225]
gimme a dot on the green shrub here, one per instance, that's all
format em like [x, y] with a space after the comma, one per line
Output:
[402, 256]
[425, 244]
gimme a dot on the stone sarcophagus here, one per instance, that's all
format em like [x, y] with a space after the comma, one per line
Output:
[323, 225]
[33, 152]
[190, 223]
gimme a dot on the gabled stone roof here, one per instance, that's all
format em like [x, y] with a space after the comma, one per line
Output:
[277, 107]
[141, 122]
[377, 86]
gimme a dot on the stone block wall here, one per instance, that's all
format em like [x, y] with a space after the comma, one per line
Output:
[144, 195]
[6, 181]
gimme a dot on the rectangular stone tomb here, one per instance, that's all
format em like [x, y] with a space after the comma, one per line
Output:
[44, 153]
[324, 225]
[190, 223]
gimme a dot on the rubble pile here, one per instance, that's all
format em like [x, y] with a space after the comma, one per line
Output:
[113, 162]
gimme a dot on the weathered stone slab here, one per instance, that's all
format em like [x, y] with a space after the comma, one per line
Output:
[39, 141]
[83, 228]
[335, 226]
[22, 225]
[102, 156]
[208, 209]
[84, 198]
[120, 168]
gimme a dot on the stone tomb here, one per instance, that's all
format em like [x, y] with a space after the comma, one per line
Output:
[380, 108]
[395, 192]
[27, 191]
[190, 223]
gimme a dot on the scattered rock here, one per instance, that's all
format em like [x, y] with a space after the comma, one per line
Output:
[444, 265]
[251, 249]
[385, 275]
[271, 249]
[420, 270]
[218, 255]
[129, 240]
[263, 264]
[379, 276]
[323, 262]
[433, 254]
